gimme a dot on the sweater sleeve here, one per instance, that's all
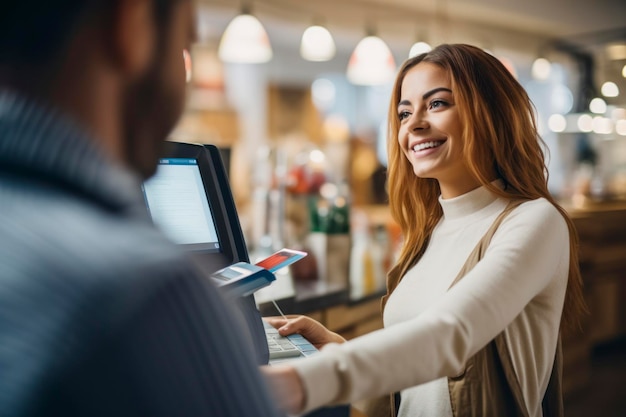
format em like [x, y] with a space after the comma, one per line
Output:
[528, 252]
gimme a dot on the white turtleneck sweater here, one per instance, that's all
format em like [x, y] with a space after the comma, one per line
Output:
[430, 332]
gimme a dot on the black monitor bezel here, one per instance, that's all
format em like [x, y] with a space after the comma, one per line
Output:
[221, 202]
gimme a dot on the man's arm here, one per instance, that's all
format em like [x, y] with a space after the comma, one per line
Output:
[181, 354]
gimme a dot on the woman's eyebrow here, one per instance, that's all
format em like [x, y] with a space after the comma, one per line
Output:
[435, 90]
[426, 95]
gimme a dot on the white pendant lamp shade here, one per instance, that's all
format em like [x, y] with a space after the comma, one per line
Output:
[610, 89]
[317, 44]
[419, 48]
[541, 69]
[371, 63]
[245, 41]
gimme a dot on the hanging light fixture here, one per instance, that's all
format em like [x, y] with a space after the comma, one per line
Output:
[419, 48]
[317, 44]
[609, 89]
[597, 106]
[371, 62]
[245, 41]
[541, 69]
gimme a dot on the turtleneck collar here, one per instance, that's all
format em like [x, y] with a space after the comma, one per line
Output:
[468, 203]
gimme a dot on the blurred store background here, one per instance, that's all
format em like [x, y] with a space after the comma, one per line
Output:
[296, 94]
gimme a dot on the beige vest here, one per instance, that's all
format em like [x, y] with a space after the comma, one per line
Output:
[488, 387]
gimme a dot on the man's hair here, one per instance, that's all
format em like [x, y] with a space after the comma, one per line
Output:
[34, 33]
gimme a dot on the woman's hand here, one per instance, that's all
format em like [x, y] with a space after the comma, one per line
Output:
[312, 330]
[285, 386]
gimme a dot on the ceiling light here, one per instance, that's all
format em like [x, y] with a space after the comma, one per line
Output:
[610, 89]
[585, 123]
[597, 106]
[602, 125]
[245, 41]
[419, 48]
[557, 123]
[371, 62]
[624, 71]
[317, 44]
[541, 69]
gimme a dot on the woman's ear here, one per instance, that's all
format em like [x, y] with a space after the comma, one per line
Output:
[133, 36]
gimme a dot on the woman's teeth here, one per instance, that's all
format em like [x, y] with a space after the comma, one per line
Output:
[427, 145]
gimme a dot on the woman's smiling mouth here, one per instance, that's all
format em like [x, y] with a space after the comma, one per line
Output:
[428, 145]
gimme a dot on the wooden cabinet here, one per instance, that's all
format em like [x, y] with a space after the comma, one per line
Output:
[603, 267]
[602, 233]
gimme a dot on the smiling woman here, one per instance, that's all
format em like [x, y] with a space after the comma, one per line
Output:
[488, 269]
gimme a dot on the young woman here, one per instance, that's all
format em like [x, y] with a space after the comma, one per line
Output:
[488, 271]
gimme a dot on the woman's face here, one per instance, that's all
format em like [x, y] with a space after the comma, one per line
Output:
[430, 134]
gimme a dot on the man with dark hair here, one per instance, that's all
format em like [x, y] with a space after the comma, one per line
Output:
[100, 315]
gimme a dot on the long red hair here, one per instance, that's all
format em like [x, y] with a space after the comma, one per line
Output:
[500, 135]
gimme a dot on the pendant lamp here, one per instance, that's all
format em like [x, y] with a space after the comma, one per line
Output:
[371, 62]
[419, 48]
[245, 41]
[317, 44]
[541, 69]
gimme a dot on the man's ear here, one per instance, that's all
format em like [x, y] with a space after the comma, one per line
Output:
[134, 36]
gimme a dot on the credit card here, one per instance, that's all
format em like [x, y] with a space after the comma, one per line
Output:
[281, 259]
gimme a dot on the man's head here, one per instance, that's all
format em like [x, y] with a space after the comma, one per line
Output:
[114, 65]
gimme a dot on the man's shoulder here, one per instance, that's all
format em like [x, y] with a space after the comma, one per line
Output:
[78, 278]
[51, 236]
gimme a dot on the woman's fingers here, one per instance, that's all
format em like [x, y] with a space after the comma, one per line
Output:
[276, 321]
[302, 325]
[312, 330]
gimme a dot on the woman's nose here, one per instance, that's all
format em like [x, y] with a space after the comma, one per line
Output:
[418, 122]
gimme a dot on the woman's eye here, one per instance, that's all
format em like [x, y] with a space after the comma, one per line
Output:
[403, 115]
[435, 104]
